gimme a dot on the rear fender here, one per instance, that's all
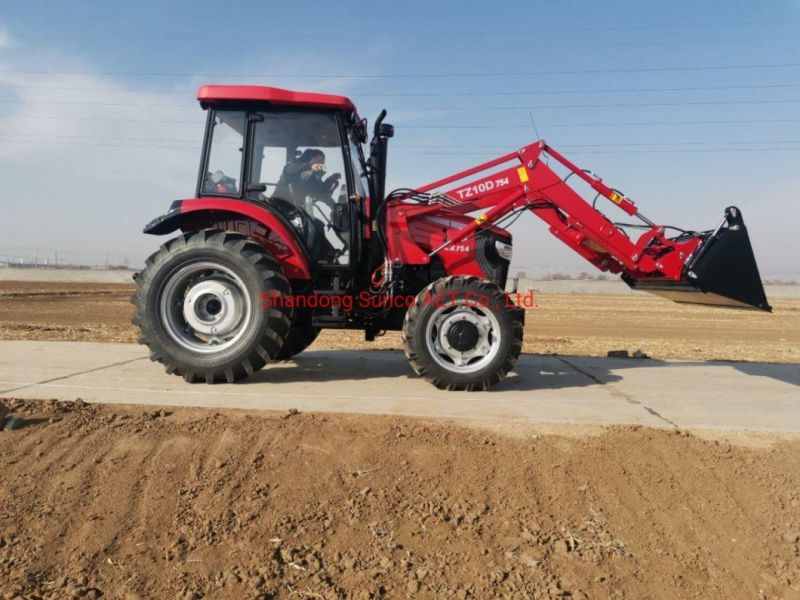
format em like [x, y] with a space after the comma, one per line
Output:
[253, 220]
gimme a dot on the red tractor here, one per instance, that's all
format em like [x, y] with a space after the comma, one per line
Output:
[291, 231]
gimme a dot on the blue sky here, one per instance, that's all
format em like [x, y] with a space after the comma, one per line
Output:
[688, 107]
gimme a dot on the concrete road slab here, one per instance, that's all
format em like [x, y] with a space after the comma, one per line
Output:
[546, 389]
[695, 394]
[44, 361]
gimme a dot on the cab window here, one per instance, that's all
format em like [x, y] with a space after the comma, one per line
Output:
[225, 153]
[298, 157]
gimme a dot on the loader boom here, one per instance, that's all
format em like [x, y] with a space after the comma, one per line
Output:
[523, 180]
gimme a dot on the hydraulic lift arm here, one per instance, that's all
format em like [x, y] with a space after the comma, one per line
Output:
[714, 267]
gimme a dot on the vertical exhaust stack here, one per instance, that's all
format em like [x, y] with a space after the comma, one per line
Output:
[721, 272]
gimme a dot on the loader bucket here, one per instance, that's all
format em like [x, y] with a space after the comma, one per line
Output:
[722, 272]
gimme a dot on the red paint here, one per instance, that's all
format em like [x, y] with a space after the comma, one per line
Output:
[213, 94]
[528, 182]
[279, 239]
[518, 180]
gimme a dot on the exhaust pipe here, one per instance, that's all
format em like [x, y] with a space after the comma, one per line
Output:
[721, 272]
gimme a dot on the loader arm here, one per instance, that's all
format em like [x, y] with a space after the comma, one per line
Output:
[715, 267]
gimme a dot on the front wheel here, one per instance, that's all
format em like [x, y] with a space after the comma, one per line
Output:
[199, 306]
[461, 334]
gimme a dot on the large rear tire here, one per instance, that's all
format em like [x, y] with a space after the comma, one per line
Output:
[300, 337]
[461, 335]
[200, 310]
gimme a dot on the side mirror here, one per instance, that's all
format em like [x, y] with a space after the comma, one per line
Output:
[256, 187]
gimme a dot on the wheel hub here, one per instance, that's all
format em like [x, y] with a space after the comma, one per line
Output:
[205, 307]
[463, 338]
[213, 307]
[463, 335]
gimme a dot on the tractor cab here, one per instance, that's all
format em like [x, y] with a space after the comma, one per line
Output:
[297, 155]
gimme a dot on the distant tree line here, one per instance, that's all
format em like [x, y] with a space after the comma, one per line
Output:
[567, 276]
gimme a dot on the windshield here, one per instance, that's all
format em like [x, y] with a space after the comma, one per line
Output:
[224, 166]
[357, 158]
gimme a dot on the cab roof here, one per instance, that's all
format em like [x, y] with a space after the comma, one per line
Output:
[217, 94]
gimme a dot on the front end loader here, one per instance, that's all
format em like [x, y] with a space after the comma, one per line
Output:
[715, 267]
[291, 231]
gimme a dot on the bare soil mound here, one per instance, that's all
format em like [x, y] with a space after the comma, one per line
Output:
[187, 503]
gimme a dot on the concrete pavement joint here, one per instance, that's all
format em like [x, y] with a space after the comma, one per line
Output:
[615, 392]
[52, 379]
[659, 416]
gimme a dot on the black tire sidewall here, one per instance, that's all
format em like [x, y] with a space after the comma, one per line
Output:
[300, 337]
[255, 286]
[496, 305]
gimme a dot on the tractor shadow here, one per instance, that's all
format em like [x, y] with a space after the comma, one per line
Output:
[787, 373]
[600, 370]
[532, 372]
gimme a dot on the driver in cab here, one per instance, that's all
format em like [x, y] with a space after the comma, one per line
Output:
[303, 181]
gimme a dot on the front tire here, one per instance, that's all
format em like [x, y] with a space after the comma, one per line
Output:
[461, 335]
[199, 306]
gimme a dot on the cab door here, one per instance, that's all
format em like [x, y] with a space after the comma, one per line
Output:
[299, 167]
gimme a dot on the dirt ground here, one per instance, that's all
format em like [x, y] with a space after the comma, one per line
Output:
[123, 502]
[569, 324]
[118, 502]
[66, 311]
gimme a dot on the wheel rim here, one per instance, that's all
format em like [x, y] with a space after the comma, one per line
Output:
[476, 340]
[205, 307]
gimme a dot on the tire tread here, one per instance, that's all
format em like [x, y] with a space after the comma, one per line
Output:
[270, 272]
[411, 344]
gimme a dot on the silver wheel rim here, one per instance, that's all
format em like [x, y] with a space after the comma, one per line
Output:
[473, 359]
[204, 307]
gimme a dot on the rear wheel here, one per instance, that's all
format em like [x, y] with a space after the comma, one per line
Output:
[300, 337]
[199, 306]
[460, 335]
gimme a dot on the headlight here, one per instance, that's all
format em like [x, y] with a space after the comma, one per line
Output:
[504, 250]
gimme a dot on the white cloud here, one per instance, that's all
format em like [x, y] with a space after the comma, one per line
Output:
[83, 185]
[86, 160]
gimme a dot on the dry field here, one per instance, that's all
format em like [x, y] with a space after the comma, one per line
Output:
[189, 503]
[569, 324]
[125, 502]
